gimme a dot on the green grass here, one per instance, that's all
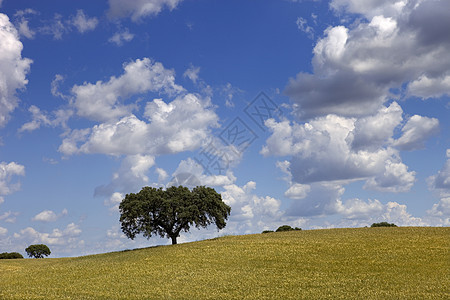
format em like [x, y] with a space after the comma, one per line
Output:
[363, 263]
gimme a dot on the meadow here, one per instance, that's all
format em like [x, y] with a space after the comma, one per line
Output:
[358, 263]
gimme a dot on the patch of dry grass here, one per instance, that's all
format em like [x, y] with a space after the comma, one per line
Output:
[363, 263]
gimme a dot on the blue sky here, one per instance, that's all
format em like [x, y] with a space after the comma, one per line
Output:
[316, 114]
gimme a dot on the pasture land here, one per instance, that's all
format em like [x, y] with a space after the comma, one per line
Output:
[361, 263]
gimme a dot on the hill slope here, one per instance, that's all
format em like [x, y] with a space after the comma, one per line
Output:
[363, 263]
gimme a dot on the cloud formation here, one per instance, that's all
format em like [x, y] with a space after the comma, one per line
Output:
[355, 68]
[8, 171]
[120, 37]
[83, 23]
[103, 101]
[13, 68]
[139, 9]
[49, 216]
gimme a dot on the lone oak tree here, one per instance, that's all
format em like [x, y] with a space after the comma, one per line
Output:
[168, 212]
[38, 251]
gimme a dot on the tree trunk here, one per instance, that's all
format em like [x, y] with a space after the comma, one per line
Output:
[174, 240]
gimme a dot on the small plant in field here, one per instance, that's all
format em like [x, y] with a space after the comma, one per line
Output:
[287, 228]
[38, 251]
[12, 255]
[383, 224]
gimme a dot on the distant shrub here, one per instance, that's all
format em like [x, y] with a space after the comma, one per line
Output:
[287, 228]
[267, 231]
[383, 224]
[12, 255]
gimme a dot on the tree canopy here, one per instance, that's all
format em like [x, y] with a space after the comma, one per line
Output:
[38, 251]
[154, 211]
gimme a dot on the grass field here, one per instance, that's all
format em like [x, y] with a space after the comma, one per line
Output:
[362, 263]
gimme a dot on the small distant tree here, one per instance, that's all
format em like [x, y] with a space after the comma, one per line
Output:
[383, 224]
[287, 228]
[168, 212]
[38, 251]
[12, 255]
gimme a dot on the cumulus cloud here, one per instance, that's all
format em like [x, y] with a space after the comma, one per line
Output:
[13, 68]
[131, 176]
[174, 127]
[114, 201]
[7, 172]
[416, 131]
[49, 216]
[249, 212]
[83, 23]
[297, 191]
[66, 237]
[190, 173]
[140, 8]
[377, 130]
[395, 178]
[103, 101]
[340, 149]
[120, 37]
[356, 67]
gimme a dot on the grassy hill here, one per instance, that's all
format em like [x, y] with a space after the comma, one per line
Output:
[362, 263]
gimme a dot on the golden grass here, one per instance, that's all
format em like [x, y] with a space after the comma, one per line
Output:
[363, 263]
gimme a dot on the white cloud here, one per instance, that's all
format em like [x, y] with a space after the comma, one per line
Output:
[192, 73]
[250, 213]
[377, 130]
[140, 8]
[303, 26]
[82, 23]
[370, 8]
[9, 217]
[13, 68]
[358, 209]
[131, 176]
[56, 28]
[190, 173]
[426, 87]
[66, 237]
[297, 191]
[162, 174]
[355, 68]
[40, 118]
[7, 172]
[416, 131]
[440, 183]
[114, 201]
[119, 38]
[22, 23]
[48, 216]
[178, 126]
[322, 152]
[103, 101]
[395, 178]
[45, 216]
